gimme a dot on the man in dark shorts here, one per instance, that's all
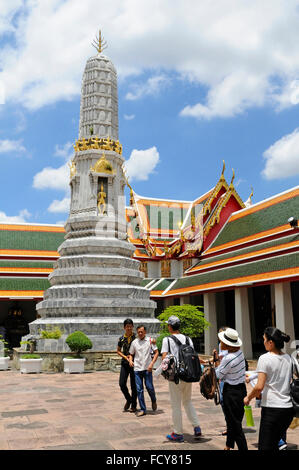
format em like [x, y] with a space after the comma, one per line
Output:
[123, 347]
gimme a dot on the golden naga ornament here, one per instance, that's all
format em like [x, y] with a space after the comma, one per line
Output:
[102, 166]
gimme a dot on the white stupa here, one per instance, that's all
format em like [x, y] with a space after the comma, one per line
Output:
[96, 282]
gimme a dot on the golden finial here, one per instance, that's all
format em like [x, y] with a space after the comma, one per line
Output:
[99, 43]
[251, 194]
[223, 168]
[231, 183]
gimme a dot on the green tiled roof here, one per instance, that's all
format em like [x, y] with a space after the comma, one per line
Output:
[262, 220]
[248, 269]
[145, 282]
[26, 264]
[14, 283]
[23, 240]
[163, 284]
[251, 249]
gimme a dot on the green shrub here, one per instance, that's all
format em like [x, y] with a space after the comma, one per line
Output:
[30, 356]
[78, 342]
[54, 333]
[4, 348]
[193, 322]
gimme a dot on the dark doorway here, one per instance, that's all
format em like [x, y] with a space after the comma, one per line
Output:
[229, 305]
[160, 307]
[15, 317]
[262, 316]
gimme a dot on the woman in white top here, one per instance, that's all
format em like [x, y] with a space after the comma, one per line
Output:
[274, 376]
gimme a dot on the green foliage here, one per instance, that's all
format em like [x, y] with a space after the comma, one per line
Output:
[54, 333]
[192, 319]
[78, 342]
[5, 344]
[159, 340]
[30, 356]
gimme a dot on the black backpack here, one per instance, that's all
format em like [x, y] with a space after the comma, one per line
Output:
[188, 368]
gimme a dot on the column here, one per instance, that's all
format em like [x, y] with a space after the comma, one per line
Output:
[185, 299]
[243, 320]
[211, 338]
[168, 302]
[284, 312]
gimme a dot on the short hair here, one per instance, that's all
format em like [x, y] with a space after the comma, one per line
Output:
[176, 326]
[128, 321]
[141, 326]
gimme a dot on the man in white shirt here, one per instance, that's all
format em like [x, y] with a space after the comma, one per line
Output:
[142, 348]
[181, 392]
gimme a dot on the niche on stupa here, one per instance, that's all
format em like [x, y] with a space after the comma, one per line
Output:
[102, 175]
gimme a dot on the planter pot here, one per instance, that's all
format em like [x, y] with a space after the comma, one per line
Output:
[4, 362]
[30, 366]
[74, 366]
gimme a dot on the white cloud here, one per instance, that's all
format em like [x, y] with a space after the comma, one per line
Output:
[65, 151]
[52, 178]
[151, 87]
[142, 163]
[60, 206]
[129, 117]
[7, 146]
[7, 12]
[17, 219]
[237, 49]
[57, 178]
[289, 95]
[282, 158]
[231, 96]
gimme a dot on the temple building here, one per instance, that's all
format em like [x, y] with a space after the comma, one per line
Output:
[237, 260]
[240, 261]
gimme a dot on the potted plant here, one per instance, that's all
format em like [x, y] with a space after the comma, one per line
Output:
[30, 364]
[4, 357]
[77, 342]
[193, 322]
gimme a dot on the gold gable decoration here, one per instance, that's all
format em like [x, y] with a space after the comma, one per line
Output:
[221, 183]
[102, 166]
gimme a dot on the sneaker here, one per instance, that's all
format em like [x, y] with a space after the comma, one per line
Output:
[154, 405]
[282, 445]
[175, 437]
[197, 432]
[141, 413]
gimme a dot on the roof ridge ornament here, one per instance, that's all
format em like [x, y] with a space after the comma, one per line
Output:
[99, 43]
[233, 177]
[223, 168]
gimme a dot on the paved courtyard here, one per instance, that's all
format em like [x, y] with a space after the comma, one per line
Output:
[84, 412]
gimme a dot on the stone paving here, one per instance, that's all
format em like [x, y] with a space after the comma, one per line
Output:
[57, 411]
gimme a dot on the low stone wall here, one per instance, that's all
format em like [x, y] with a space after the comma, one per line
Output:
[53, 361]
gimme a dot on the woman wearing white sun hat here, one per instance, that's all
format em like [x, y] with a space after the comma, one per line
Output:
[232, 372]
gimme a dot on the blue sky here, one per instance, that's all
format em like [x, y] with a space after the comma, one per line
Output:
[198, 83]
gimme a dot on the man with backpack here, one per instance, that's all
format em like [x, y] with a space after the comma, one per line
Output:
[188, 371]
